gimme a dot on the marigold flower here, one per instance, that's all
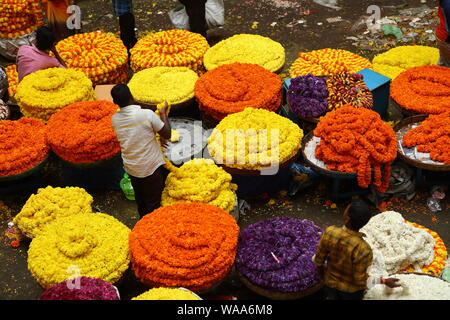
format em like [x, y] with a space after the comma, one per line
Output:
[167, 294]
[19, 17]
[13, 79]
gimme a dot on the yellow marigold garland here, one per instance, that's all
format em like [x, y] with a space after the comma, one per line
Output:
[91, 245]
[49, 204]
[43, 93]
[19, 17]
[13, 79]
[167, 294]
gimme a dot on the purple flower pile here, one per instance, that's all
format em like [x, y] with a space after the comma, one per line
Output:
[307, 96]
[276, 254]
[89, 289]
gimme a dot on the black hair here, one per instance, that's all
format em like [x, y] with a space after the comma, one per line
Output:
[121, 95]
[45, 38]
[359, 213]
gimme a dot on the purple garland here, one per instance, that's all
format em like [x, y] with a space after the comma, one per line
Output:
[90, 289]
[307, 96]
[276, 254]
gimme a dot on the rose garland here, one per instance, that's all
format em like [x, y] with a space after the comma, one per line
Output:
[232, 88]
[43, 93]
[50, 203]
[243, 140]
[328, 62]
[155, 85]
[13, 79]
[89, 289]
[246, 48]
[167, 294]
[93, 244]
[348, 88]
[276, 254]
[82, 132]
[357, 140]
[19, 17]
[432, 136]
[423, 89]
[190, 245]
[101, 56]
[397, 60]
[200, 180]
[171, 48]
[23, 145]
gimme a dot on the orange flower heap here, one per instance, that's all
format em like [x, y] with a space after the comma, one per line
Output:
[23, 145]
[82, 132]
[357, 140]
[19, 17]
[328, 62]
[101, 56]
[423, 89]
[171, 48]
[190, 245]
[233, 87]
[432, 136]
[13, 79]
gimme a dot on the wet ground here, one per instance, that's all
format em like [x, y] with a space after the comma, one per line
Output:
[299, 26]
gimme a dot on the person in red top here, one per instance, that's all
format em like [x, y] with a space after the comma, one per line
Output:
[443, 32]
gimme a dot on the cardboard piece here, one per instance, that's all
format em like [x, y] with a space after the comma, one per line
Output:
[103, 92]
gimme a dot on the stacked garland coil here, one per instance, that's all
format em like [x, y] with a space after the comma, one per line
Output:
[423, 89]
[397, 60]
[82, 132]
[23, 145]
[50, 203]
[43, 93]
[167, 294]
[190, 245]
[200, 180]
[13, 79]
[100, 56]
[328, 62]
[156, 85]
[19, 17]
[171, 48]
[254, 139]
[276, 254]
[92, 245]
[232, 88]
[246, 48]
[81, 288]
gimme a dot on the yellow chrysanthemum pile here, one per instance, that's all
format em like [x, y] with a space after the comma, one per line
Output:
[254, 139]
[200, 180]
[19, 17]
[246, 48]
[171, 48]
[101, 56]
[393, 62]
[167, 294]
[50, 203]
[43, 93]
[13, 79]
[87, 245]
[156, 85]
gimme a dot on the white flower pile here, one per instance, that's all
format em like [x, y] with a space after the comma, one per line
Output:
[413, 287]
[397, 244]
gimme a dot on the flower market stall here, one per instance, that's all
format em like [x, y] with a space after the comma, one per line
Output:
[81, 288]
[168, 294]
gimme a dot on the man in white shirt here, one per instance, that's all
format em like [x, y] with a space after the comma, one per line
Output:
[143, 160]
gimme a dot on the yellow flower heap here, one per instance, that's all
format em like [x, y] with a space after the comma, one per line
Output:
[171, 48]
[167, 294]
[43, 93]
[246, 48]
[393, 62]
[101, 56]
[19, 17]
[254, 139]
[156, 85]
[200, 180]
[86, 245]
[49, 204]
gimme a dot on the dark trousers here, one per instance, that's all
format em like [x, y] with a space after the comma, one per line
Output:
[148, 191]
[195, 9]
[334, 294]
[127, 32]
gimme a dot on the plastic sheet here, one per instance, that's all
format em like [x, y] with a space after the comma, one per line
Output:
[9, 47]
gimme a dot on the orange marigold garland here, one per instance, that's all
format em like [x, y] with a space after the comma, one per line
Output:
[190, 245]
[432, 136]
[233, 87]
[357, 140]
[23, 145]
[13, 79]
[171, 48]
[19, 17]
[82, 132]
[423, 89]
